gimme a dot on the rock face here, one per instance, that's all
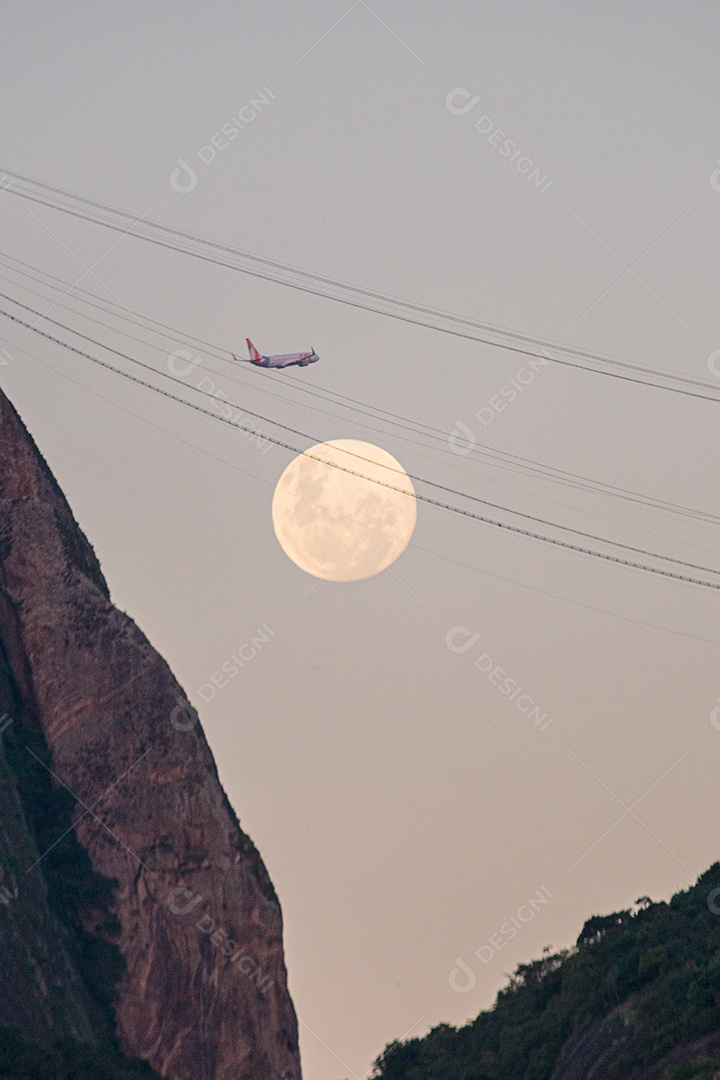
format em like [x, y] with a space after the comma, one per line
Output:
[204, 995]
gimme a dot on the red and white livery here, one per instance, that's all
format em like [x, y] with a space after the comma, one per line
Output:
[282, 360]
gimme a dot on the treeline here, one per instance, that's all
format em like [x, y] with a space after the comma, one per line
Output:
[655, 967]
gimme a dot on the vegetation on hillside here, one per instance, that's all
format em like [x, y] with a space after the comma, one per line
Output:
[656, 967]
[22, 1060]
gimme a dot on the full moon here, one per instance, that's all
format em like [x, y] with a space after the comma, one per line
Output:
[342, 527]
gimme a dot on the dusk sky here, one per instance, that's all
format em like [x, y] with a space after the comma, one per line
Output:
[406, 808]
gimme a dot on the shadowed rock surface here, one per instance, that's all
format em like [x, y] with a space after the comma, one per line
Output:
[204, 994]
[604, 1050]
[42, 991]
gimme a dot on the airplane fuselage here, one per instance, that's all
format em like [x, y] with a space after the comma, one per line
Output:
[280, 360]
[283, 360]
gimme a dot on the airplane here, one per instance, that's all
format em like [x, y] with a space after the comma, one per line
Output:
[301, 359]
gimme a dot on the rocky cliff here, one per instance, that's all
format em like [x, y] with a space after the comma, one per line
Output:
[98, 714]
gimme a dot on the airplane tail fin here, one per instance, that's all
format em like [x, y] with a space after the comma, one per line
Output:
[254, 354]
